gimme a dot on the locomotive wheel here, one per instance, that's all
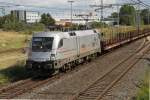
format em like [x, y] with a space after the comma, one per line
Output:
[62, 69]
[73, 65]
[89, 58]
[56, 72]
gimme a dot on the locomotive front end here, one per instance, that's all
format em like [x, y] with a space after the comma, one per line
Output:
[41, 55]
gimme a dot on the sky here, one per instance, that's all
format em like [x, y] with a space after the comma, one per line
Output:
[56, 3]
[59, 3]
[62, 6]
[57, 7]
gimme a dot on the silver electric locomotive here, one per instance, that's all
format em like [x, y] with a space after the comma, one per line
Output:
[52, 51]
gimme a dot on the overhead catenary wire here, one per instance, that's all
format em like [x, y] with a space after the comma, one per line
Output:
[77, 8]
[144, 5]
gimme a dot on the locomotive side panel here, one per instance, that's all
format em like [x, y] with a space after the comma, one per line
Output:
[89, 43]
[67, 52]
[83, 44]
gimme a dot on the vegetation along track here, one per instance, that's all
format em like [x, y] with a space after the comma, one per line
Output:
[100, 87]
[13, 50]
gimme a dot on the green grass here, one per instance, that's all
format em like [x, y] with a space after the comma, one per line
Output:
[12, 40]
[144, 91]
[14, 73]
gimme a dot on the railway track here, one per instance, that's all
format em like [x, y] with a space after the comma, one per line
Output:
[100, 87]
[24, 86]
[27, 85]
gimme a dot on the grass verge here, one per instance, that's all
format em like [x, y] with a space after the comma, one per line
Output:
[144, 91]
[14, 73]
[12, 40]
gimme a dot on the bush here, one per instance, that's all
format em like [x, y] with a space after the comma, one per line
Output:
[30, 28]
[47, 20]
[14, 73]
[98, 25]
[13, 25]
[143, 93]
[36, 27]
[10, 22]
[21, 26]
[2, 21]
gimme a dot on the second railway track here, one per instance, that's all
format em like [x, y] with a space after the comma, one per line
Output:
[98, 89]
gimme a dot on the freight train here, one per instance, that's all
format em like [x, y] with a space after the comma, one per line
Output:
[60, 51]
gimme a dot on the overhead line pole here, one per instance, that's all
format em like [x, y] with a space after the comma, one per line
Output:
[148, 16]
[139, 18]
[71, 2]
[102, 7]
[118, 15]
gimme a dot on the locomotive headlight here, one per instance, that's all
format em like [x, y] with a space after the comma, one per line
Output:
[52, 56]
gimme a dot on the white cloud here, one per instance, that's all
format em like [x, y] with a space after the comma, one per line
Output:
[41, 2]
[55, 3]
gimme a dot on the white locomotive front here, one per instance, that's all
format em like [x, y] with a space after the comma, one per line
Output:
[51, 51]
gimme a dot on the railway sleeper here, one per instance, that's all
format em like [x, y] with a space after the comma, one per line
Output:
[91, 93]
[95, 89]
[100, 84]
[86, 98]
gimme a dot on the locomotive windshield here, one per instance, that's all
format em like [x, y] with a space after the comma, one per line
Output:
[42, 44]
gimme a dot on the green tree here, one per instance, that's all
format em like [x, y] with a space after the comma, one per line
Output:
[98, 25]
[47, 20]
[10, 22]
[2, 21]
[127, 15]
[144, 16]
[114, 15]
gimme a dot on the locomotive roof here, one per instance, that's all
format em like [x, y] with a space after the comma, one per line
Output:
[64, 34]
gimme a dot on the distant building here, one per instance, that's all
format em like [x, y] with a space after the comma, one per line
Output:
[27, 16]
[110, 21]
[62, 19]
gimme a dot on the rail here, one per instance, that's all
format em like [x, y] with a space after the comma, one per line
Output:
[100, 87]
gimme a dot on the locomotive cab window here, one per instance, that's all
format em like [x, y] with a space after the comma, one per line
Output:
[60, 43]
[42, 44]
[94, 31]
[72, 34]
